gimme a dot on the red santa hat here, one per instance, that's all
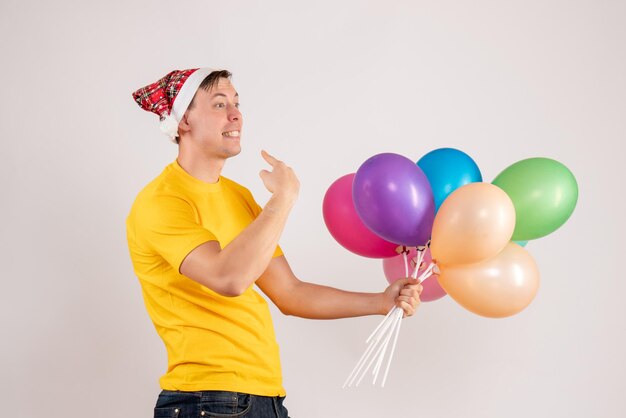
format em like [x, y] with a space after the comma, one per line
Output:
[170, 97]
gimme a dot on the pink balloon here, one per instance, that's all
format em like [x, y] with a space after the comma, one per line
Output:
[346, 227]
[395, 270]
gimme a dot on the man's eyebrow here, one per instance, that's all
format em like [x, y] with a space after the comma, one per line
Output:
[222, 95]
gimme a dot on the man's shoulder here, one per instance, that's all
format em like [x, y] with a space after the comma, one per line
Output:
[163, 187]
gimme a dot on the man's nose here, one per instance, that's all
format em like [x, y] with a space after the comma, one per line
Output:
[234, 114]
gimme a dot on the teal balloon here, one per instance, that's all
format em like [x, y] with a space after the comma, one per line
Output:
[521, 243]
[544, 193]
[447, 169]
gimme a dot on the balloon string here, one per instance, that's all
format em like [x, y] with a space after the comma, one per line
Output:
[427, 273]
[420, 259]
[406, 264]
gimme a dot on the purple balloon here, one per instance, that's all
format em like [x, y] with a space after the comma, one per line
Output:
[393, 198]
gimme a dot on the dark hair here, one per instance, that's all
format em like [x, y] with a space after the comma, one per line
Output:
[206, 85]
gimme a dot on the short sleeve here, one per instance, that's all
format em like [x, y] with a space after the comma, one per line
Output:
[256, 209]
[168, 226]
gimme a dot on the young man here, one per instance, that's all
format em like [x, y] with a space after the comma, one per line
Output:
[199, 241]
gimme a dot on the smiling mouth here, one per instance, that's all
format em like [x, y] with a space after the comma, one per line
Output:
[232, 134]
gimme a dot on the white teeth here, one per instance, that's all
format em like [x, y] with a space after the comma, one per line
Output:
[231, 133]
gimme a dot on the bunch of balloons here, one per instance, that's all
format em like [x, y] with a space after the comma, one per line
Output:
[439, 213]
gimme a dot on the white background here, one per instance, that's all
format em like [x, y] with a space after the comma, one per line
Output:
[324, 85]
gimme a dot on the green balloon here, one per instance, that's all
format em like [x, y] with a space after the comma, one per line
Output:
[544, 193]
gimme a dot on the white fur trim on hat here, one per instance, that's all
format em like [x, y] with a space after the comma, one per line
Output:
[187, 91]
[169, 125]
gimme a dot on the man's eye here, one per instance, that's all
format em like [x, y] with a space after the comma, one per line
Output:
[220, 105]
[237, 105]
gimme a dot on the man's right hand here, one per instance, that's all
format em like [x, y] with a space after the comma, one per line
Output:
[281, 181]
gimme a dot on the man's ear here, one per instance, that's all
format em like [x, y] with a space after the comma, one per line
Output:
[183, 125]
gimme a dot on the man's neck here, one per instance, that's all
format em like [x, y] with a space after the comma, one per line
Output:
[207, 170]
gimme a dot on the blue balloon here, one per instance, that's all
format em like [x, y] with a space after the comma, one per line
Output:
[447, 169]
[522, 243]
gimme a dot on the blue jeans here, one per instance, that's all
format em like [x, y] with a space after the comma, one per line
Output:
[176, 404]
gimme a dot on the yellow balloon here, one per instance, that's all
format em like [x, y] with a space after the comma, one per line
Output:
[499, 287]
[473, 224]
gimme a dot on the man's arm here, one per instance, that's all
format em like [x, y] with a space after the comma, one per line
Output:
[308, 300]
[225, 270]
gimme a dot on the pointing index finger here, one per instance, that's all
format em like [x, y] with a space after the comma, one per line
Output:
[271, 160]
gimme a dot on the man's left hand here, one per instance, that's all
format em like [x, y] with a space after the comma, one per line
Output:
[404, 293]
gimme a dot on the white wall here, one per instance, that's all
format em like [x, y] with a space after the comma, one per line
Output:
[324, 85]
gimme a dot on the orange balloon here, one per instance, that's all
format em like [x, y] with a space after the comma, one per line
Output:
[473, 224]
[496, 288]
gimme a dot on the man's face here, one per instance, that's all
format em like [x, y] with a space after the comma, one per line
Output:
[214, 122]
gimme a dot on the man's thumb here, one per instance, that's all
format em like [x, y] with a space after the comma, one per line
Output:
[409, 281]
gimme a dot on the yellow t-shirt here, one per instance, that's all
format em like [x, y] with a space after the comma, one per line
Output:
[213, 342]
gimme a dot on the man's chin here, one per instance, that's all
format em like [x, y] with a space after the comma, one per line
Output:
[232, 152]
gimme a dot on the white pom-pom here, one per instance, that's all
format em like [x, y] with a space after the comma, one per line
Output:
[169, 126]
